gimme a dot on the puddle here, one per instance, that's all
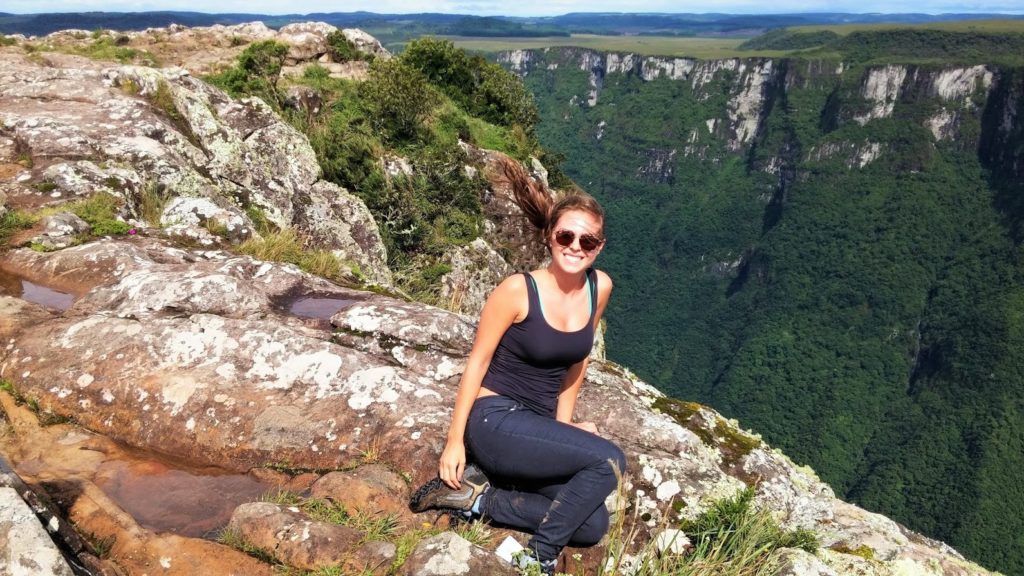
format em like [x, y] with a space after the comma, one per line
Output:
[318, 308]
[12, 285]
[164, 499]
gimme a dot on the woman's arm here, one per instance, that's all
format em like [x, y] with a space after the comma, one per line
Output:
[505, 304]
[574, 378]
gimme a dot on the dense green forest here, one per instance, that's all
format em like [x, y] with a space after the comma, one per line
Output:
[850, 286]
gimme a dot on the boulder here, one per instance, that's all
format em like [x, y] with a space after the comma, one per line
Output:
[227, 220]
[449, 554]
[372, 488]
[476, 269]
[305, 40]
[366, 43]
[61, 230]
[295, 540]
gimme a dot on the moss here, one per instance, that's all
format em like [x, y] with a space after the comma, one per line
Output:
[733, 443]
[864, 551]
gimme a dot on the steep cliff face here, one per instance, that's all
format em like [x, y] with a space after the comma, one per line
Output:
[825, 250]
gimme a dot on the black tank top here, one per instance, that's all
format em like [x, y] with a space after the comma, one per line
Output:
[532, 358]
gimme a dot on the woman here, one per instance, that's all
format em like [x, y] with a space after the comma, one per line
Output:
[514, 408]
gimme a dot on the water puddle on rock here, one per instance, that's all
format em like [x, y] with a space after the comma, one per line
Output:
[12, 285]
[165, 499]
[318, 307]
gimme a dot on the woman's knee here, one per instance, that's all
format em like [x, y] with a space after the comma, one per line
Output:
[592, 530]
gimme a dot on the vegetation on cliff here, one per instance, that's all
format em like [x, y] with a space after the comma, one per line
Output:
[414, 109]
[848, 288]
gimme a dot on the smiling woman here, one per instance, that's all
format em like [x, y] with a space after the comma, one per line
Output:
[514, 454]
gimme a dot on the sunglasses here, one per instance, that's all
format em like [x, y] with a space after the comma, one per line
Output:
[588, 242]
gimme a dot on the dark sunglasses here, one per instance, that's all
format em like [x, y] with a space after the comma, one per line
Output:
[588, 242]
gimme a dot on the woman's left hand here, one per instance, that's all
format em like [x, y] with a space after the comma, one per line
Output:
[588, 426]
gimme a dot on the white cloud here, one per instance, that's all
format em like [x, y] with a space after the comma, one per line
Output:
[521, 8]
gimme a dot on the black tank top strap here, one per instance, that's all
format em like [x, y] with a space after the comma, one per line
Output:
[532, 295]
[592, 276]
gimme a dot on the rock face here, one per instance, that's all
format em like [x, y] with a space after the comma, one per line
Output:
[193, 354]
[141, 133]
[25, 547]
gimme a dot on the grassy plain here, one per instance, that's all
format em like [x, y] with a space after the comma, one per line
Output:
[705, 48]
[987, 26]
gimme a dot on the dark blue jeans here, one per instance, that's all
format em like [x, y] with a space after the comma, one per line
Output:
[548, 477]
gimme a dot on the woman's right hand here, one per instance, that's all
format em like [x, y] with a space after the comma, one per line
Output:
[452, 464]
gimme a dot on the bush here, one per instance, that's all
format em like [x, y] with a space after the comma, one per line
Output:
[256, 73]
[480, 87]
[342, 49]
[398, 98]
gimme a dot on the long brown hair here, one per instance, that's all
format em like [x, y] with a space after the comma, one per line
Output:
[537, 204]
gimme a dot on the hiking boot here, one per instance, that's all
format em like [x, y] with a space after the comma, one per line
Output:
[437, 494]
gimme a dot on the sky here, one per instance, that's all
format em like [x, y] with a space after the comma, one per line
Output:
[516, 8]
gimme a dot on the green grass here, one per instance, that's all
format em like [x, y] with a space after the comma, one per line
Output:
[12, 221]
[731, 538]
[287, 246]
[100, 212]
[700, 48]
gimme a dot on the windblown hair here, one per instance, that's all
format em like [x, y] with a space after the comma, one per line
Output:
[536, 202]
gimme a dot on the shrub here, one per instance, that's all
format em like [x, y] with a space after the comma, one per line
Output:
[398, 98]
[481, 87]
[342, 49]
[256, 73]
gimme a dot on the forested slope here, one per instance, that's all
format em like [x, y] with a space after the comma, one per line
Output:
[828, 252]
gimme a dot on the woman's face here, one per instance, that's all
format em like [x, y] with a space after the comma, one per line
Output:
[573, 238]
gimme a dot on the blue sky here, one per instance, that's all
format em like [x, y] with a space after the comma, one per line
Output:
[517, 8]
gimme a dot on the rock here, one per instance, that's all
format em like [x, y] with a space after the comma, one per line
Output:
[306, 40]
[372, 488]
[795, 562]
[476, 269]
[295, 540]
[671, 541]
[449, 554]
[395, 165]
[336, 220]
[365, 43]
[192, 353]
[25, 547]
[139, 131]
[506, 229]
[228, 221]
[61, 230]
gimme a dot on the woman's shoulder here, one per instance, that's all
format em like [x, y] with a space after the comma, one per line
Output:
[604, 281]
[511, 285]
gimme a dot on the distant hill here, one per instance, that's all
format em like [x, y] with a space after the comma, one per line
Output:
[397, 27]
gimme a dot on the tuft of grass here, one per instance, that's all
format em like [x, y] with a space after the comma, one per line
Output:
[151, 204]
[731, 538]
[407, 542]
[12, 221]
[233, 539]
[100, 547]
[287, 246]
[477, 533]
[100, 212]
